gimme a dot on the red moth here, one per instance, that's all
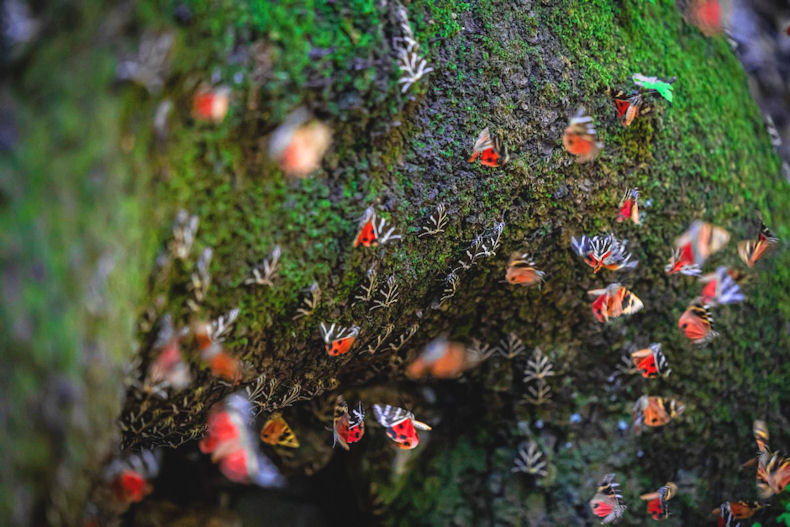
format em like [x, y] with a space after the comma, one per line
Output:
[168, 368]
[752, 250]
[629, 107]
[773, 468]
[580, 138]
[521, 270]
[710, 16]
[233, 444]
[614, 301]
[651, 362]
[607, 503]
[632, 105]
[298, 145]
[657, 501]
[221, 364]
[338, 339]
[694, 246]
[655, 411]
[697, 324]
[603, 252]
[441, 359]
[400, 425]
[721, 287]
[629, 206]
[347, 427]
[129, 477]
[730, 511]
[211, 104]
[371, 230]
[489, 150]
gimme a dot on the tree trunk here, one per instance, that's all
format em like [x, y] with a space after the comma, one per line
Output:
[100, 242]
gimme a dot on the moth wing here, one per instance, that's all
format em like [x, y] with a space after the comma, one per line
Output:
[265, 473]
[580, 246]
[340, 432]
[655, 413]
[761, 435]
[287, 437]
[273, 429]
[483, 140]
[451, 364]
[631, 303]
[622, 107]
[341, 407]
[745, 251]
[367, 234]
[630, 114]
[601, 505]
[234, 465]
[719, 238]
[389, 416]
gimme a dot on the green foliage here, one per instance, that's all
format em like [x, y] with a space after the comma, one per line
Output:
[785, 516]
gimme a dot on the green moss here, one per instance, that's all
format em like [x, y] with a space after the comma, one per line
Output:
[76, 248]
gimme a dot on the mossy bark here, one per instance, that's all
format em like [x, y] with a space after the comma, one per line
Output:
[521, 68]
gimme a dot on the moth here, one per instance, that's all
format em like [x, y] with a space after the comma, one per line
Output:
[230, 441]
[721, 288]
[657, 501]
[709, 16]
[490, 150]
[299, 144]
[371, 230]
[629, 206]
[221, 364]
[651, 362]
[632, 105]
[348, 426]
[601, 252]
[130, 477]
[521, 270]
[580, 138]
[400, 425]
[277, 432]
[773, 468]
[761, 436]
[629, 107]
[752, 250]
[338, 339]
[607, 503]
[211, 104]
[168, 369]
[729, 511]
[697, 324]
[440, 359]
[773, 474]
[655, 411]
[614, 301]
[694, 246]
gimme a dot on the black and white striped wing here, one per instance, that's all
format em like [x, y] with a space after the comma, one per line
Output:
[389, 416]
